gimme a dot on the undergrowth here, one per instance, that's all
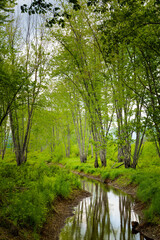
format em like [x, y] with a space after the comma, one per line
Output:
[27, 192]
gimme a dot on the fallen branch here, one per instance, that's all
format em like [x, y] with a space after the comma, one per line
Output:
[117, 166]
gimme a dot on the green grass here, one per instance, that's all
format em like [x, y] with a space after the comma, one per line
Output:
[27, 192]
[148, 181]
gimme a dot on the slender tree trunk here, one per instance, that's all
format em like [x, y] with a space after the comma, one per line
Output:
[127, 154]
[120, 135]
[135, 156]
[127, 146]
[53, 136]
[91, 150]
[20, 156]
[4, 146]
[120, 154]
[80, 131]
[96, 165]
[140, 132]
[157, 146]
[83, 157]
[68, 141]
[4, 132]
[103, 157]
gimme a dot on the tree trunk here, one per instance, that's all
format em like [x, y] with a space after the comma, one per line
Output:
[83, 157]
[20, 147]
[120, 133]
[4, 151]
[91, 150]
[157, 143]
[135, 156]
[80, 132]
[103, 157]
[127, 155]
[120, 154]
[68, 141]
[4, 134]
[21, 158]
[53, 137]
[96, 165]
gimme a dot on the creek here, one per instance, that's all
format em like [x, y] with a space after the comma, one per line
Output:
[106, 215]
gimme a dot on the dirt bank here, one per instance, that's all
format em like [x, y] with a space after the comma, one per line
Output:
[62, 209]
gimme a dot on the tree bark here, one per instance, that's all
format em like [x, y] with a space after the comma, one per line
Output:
[127, 154]
[19, 151]
[68, 141]
[103, 157]
[96, 165]
[83, 158]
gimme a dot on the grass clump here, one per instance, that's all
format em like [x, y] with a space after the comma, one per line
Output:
[64, 183]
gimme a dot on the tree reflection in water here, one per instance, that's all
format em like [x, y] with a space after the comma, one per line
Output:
[106, 215]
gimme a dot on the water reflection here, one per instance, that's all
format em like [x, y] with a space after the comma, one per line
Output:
[106, 215]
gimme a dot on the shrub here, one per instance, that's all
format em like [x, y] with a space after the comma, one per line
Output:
[64, 183]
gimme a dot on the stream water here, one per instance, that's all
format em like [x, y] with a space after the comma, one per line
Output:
[106, 215]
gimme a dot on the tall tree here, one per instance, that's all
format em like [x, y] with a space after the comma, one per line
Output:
[21, 113]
